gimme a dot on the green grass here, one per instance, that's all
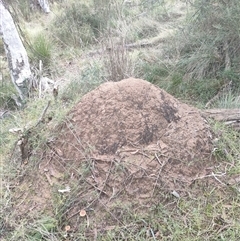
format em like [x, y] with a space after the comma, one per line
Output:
[207, 43]
[197, 91]
[212, 216]
[7, 92]
[90, 77]
[41, 49]
[228, 101]
[77, 25]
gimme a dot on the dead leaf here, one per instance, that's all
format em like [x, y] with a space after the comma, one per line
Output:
[59, 152]
[175, 194]
[55, 173]
[16, 130]
[67, 189]
[109, 228]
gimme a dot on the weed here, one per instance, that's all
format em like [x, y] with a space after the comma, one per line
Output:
[41, 49]
[77, 25]
[118, 62]
[227, 143]
[81, 84]
[228, 101]
[7, 93]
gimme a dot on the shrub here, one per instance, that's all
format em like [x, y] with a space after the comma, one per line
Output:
[209, 44]
[77, 25]
[118, 62]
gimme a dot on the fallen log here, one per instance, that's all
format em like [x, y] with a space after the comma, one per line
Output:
[230, 117]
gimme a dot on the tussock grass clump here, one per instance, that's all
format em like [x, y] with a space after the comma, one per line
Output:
[41, 49]
[118, 63]
[77, 25]
[142, 28]
[209, 44]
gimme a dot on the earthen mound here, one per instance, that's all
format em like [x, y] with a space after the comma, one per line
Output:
[124, 143]
[135, 113]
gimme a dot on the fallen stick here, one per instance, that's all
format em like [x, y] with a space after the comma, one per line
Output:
[230, 117]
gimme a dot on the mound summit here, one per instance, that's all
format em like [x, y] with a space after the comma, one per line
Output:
[135, 113]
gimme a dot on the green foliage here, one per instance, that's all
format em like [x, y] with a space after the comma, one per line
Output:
[175, 83]
[42, 228]
[209, 44]
[89, 78]
[21, 8]
[41, 49]
[77, 25]
[198, 91]
[7, 91]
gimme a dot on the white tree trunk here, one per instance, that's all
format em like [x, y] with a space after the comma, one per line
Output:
[16, 53]
[44, 5]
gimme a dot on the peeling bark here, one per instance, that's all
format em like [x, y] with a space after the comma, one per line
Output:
[44, 5]
[16, 54]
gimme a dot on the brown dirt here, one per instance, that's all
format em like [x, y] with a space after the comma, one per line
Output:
[137, 137]
[133, 113]
[125, 142]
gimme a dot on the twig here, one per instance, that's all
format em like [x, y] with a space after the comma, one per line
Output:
[49, 179]
[42, 115]
[153, 235]
[22, 141]
[3, 113]
[212, 175]
[160, 170]
[102, 190]
[223, 228]
[215, 176]
[92, 185]
[109, 171]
